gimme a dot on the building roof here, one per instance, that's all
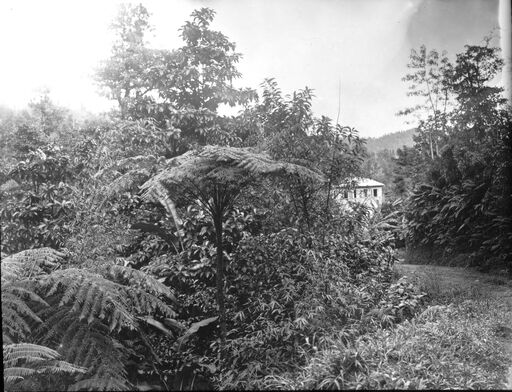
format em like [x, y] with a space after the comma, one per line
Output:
[366, 182]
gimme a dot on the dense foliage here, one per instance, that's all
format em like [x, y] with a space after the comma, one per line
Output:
[461, 161]
[165, 246]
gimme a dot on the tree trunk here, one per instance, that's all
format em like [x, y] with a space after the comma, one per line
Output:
[305, 208]
[220, 280]
[327, 216]
[328, 198]
[431, 148]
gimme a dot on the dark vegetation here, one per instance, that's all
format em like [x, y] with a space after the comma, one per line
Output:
[165, 246]
[456, 179]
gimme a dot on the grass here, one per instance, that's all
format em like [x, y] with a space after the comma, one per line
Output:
[432, 256]
[456, 341]
[439, 292]
[446, 346]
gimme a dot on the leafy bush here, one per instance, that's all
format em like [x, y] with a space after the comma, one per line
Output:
[287, 293]
[37, 211]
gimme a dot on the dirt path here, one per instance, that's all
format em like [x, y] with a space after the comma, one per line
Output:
[453, 281]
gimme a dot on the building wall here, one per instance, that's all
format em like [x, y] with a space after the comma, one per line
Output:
[368, 195]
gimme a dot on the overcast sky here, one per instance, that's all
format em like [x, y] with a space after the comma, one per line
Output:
[365, 44]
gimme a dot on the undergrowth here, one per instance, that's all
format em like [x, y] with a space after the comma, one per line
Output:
[452, 344]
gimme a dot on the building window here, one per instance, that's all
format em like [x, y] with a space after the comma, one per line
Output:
[366, 193]
[375, 192]
[345, 195]
[355, 194]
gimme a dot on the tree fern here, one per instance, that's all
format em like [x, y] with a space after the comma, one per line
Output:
[77, 314]
[224, 165]
[213, 177]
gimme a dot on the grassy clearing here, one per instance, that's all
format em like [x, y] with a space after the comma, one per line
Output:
[456, 341]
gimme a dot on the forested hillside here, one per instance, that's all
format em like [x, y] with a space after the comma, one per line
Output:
[164, 246]
[390, 141]
[380, 162]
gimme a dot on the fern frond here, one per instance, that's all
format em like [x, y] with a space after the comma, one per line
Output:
[25, 351]
[59, 367]
[86, 344]
[126, 182]
[10, 300]
[138, 162]
[221, 165]
[56, 321]
[72, 340]
[128, 173]
[14, 327]
[91, 295]
[25, 291]
[135, 278]
[90, 345]
[105, 358]
[16, 312]
[11, 269]
[147, 304]
[101, 384]
[87, 338]
[19, 264]
[71, 284]
[158, 194]
[79, 312]
[257, 163]
[13, 374]
[23, 360]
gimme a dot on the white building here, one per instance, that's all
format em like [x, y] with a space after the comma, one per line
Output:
[366, 191]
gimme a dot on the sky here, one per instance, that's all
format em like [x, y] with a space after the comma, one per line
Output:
[361, 45]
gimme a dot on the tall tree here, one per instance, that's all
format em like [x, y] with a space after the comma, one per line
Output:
[181, 89]
[428, 80]
[127, 74]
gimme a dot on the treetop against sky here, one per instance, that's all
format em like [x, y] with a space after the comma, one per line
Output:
[363, 46]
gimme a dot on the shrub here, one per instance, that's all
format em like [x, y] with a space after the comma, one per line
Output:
[37, 212]
[287, 293]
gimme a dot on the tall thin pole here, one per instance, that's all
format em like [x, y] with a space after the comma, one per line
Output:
[329, 187]
[339, 102]
[505, 21]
